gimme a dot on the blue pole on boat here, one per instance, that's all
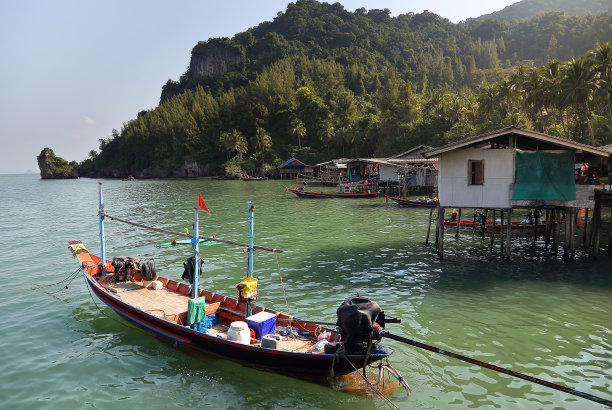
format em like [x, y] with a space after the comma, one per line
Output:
[102, 237]
[249, 311]
[251, 210]
[195, 242]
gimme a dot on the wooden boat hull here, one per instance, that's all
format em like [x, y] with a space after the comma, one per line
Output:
[253, 178]
[313, 194]
[413, 202]
[296, 363]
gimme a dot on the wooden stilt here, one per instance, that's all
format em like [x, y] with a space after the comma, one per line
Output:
[572, 243]
[501, 232]
[548, 228]
[596, 227]
[484, 218]
[441, 232]
[509, 234]
[458, 224]
[585, 234]
[429, 224]
[568, 218]
[557, 228]
[536, 221]
[493, 228]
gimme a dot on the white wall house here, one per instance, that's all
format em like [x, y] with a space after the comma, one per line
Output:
[480, 172]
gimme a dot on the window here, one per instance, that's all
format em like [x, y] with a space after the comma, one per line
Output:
[476, 172]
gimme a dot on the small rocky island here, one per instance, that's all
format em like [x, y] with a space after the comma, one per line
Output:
[54, 167]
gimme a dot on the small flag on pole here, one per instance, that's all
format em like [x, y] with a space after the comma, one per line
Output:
[202, 203]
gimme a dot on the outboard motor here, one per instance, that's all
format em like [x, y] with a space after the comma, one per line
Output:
[360, 320]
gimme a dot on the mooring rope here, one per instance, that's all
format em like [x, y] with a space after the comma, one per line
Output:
[206, 238]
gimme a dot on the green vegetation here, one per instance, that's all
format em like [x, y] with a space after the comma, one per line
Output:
[320, 82]
[529, 8]
[54, 167]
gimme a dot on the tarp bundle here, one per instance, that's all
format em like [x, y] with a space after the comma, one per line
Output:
[545, 176]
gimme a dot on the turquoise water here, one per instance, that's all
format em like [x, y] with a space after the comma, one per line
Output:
[61, 349]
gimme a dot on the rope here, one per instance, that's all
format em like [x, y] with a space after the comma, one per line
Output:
[206, 238]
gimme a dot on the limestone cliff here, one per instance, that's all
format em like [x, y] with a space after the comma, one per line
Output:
[53, 167]
[214, 58]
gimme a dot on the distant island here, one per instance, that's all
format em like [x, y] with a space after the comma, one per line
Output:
[54, 167]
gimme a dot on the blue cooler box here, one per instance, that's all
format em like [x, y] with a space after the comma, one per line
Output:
[263, 323]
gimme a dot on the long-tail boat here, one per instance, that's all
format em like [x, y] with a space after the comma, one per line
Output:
[216, 323]
[350, 190]
[418, 202]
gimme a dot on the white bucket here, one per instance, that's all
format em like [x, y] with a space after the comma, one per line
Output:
[239, 332]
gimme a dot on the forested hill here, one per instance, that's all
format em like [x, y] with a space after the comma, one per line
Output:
[320, 82]
[529, 8]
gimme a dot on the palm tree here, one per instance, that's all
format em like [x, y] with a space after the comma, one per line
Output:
[578, 86]
[263, 142]
[602, 57]
[233, 141]
[298, 129]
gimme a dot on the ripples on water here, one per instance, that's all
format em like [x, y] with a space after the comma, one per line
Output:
[533, 314]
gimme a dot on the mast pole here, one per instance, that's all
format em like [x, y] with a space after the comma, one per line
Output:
[249, 311]
[102, 237]
[196, 253]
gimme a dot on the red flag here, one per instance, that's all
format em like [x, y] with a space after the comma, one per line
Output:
[202, 203]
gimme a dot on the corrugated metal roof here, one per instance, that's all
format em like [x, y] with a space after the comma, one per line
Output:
[526, 133]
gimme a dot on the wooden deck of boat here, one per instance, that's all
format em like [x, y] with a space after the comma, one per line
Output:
[164, 303]
[172, 305]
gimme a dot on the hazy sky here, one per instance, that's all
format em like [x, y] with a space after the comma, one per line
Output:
[72, 70]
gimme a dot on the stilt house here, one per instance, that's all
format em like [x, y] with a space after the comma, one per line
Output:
[516, 168]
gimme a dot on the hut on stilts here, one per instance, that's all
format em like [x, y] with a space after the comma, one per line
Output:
[553, 179]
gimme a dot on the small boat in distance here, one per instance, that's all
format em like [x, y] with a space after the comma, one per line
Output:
[418, 202]
[350, 190]
[246, 177]
[235, 328]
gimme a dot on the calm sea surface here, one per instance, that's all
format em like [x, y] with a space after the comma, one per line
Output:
[62, 350]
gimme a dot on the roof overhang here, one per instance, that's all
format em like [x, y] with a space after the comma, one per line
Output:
[549, 139]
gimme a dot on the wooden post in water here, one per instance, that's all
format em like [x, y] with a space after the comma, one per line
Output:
[596, 226]
[493, 228]
[429, 224]
[509, 234]
[483, 222]
[458, 224]
[547, 229]
[568, 218]
[557, 228]
[441, 232]
[501, 232]
[586, 226]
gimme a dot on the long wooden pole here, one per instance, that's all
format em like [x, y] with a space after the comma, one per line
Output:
[205, 238]
[102, 236]
[429, 224]
[493, 228]
[509, 234]
[499, 369]
[458, 224]
[196, 254]
[249, 309]
[501, 232]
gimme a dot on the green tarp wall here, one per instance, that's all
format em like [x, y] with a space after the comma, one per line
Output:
[545, 176]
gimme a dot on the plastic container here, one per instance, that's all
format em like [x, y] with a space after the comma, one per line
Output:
[271, 341]
[248, 288]
[239, 332]
[263, 323]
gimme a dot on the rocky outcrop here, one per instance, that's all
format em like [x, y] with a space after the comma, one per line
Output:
[214, 58]
[54, 167]
[191, 169]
